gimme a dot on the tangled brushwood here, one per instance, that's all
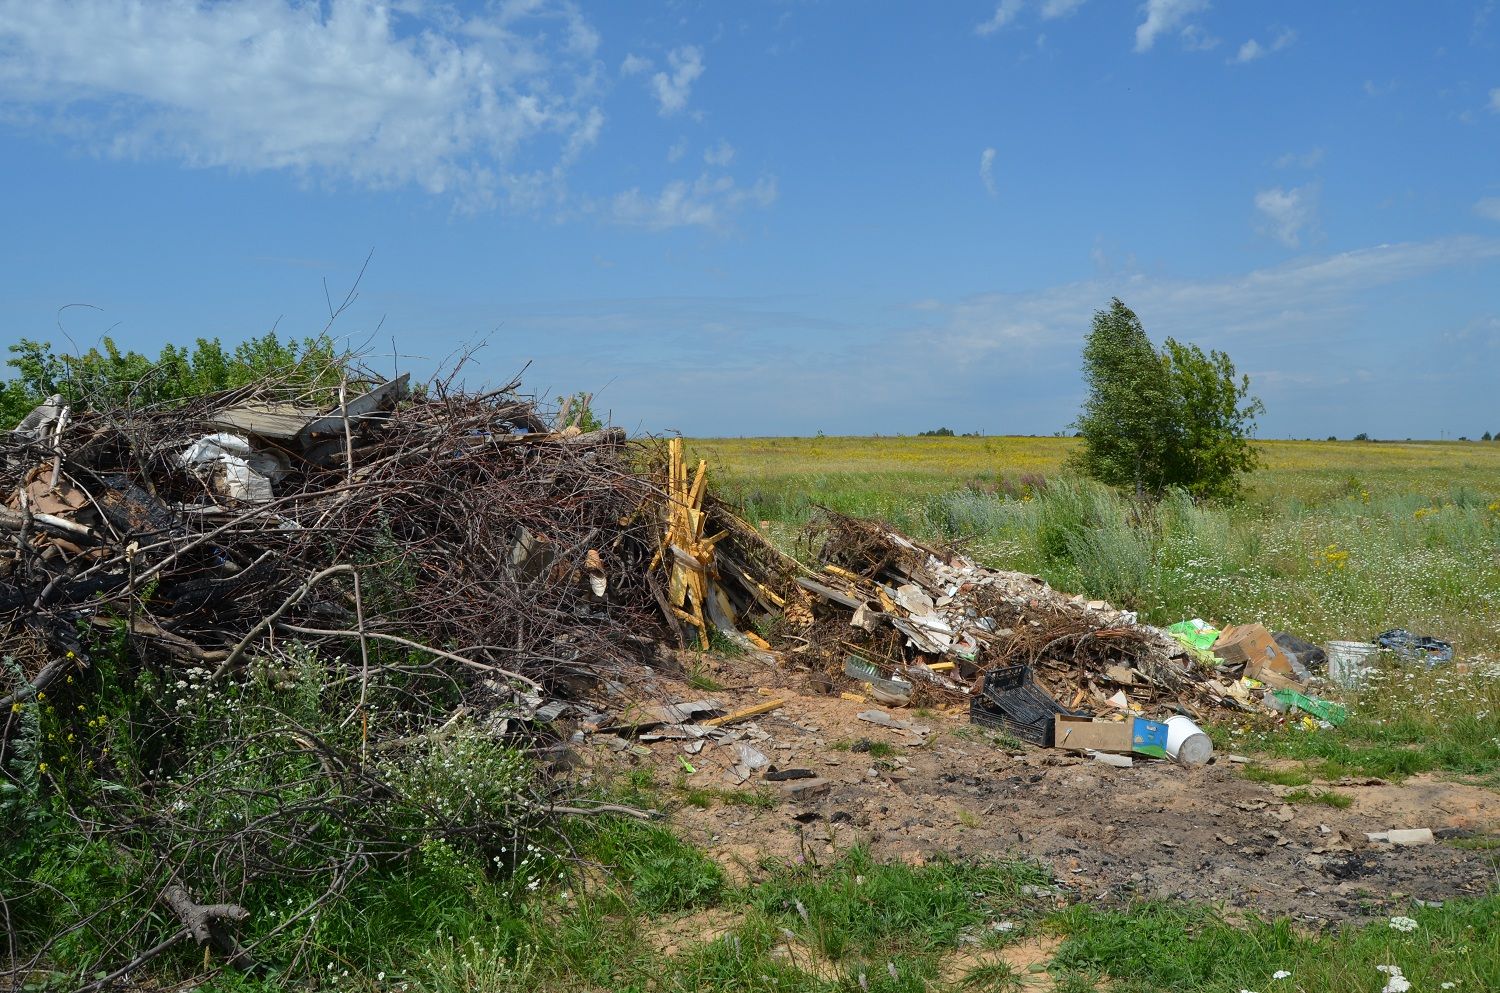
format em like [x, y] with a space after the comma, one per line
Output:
[260, 644]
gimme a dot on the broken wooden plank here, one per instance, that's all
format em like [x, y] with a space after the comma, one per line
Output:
[740, 715]
[829, 593]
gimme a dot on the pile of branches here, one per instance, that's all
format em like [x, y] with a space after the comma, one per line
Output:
[422, 576]
[458, 525]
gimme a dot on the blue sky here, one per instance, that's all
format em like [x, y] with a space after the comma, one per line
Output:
[779, 217]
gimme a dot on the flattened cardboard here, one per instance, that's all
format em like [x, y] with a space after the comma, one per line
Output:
[1252, 646]
[1079, 733]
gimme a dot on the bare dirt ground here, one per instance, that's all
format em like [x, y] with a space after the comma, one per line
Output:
[1156, 830]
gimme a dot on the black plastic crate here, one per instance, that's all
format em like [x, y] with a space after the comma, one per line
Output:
[1012, 701]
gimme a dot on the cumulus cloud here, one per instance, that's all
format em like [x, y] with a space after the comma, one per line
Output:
[1252, 49]
[1488, 207]
[1287, 213]
[347, 90]
[1005, 12]
[634, 65]
[674, 85]
[709, 202]
[1163, 16]
[987, 170]
[1495, 100]
[719, 155]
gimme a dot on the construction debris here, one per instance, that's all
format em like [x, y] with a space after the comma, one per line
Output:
[898, 609]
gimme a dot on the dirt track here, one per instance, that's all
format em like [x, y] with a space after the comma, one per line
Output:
[1153, 830]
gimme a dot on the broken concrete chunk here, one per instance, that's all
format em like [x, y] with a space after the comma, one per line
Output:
[1403, 836]
[804, 789]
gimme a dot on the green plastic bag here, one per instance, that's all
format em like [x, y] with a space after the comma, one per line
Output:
[1195, 634]
[1334, 713]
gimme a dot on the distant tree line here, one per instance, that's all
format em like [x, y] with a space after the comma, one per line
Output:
[947, 433]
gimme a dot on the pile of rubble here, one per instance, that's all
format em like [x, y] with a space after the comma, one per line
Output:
[487, 536]
[937, 621]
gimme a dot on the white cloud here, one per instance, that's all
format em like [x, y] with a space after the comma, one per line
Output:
[348, 90]
[1163, 16]
[1059, 8]
[719, 155]
[1195, 39]
[1488, 207]
[1267, 306]
[709, 202]
[1286, 213]
[987, 170]
[678, 150]
[1374, 89]
[1300, 160]
[673, 88]
[1495, 100]
[1005, 12]
[634, 65]
[1252, 49]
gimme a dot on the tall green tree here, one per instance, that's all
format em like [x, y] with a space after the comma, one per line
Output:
[1210, 449]
[1126, 420]
[1154, 420]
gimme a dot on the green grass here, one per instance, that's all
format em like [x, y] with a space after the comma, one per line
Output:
[1279, 777]
[1327, 798]
[1404, 722]
[1161, 946]
[699, 679]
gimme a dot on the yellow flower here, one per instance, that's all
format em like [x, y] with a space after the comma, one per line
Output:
[41, 767]
[16, 708]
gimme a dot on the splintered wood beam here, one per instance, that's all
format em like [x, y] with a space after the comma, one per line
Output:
[740, 715]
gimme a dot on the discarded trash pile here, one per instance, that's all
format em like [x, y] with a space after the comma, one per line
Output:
[938, 621]
[458, 527]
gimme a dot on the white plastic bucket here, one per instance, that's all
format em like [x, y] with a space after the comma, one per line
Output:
[1186, 742]
[1347, 660]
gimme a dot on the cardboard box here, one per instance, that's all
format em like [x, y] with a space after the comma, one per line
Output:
[1148, 737]
[1079, 733]
[1252, 646]
[1121, 737]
